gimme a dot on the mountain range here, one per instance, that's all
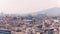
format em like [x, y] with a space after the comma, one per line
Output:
[50, 12]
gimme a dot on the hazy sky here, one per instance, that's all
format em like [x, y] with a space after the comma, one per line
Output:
[26, 6]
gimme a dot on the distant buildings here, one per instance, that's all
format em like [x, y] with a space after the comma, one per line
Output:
[30, 24]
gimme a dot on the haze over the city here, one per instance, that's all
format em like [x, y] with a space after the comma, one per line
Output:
[26, 6]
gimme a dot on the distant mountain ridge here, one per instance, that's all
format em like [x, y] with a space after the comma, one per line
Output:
[51, 12]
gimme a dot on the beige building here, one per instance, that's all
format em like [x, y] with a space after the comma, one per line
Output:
[37, 32]
[17, 32]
